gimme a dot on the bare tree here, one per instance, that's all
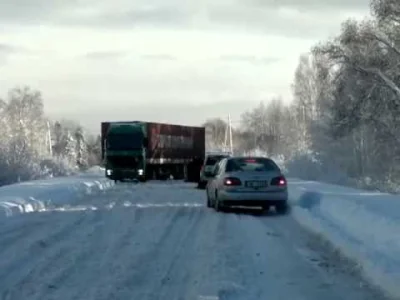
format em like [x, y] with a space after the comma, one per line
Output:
[215, 133]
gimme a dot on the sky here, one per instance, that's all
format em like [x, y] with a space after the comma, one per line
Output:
[172, 61]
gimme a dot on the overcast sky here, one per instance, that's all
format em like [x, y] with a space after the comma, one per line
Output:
[160, 60]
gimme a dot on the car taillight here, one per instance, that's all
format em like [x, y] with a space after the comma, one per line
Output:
[232, 181]
[279, 181]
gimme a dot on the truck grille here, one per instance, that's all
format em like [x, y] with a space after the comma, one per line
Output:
[123, 161]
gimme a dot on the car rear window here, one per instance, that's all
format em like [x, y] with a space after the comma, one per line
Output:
[251, 164]
[212, 160]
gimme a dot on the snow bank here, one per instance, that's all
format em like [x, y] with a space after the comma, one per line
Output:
[38, 195]
[365, 226]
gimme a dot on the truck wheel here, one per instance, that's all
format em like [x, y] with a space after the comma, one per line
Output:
[282, 208]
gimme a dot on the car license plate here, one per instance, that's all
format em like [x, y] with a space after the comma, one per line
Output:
[256, 184]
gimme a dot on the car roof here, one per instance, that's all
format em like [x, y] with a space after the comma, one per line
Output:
[249, 157]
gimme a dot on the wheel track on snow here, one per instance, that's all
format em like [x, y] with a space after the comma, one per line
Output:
[57, 244]
[190, 279]
[178, 245]
[89, 255]
[139, 263]
[8, 238]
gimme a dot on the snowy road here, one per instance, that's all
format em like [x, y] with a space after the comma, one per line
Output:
[157, 241]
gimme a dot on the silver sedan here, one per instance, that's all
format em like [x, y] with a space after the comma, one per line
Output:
[247, 181]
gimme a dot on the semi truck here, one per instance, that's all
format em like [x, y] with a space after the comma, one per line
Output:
[137, 150]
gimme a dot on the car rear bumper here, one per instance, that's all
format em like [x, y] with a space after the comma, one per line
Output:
[247, 198]
[251, 203]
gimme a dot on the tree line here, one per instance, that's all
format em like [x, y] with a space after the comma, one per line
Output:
[344, 117]
[33, 146]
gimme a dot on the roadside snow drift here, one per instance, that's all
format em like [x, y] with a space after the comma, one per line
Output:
[365, 226]
[42, 194]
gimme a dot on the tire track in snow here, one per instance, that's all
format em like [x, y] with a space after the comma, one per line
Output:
[175, 242]
[332, 268]
[86, 257]
[141, 260]
[191, 261]
[30, 244]
[34, 228]
[276, 264]
[54, 268]
[14, 225]
[25, 273]
[11, 236]
[117, 248]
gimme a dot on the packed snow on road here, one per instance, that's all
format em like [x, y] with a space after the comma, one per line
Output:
[157, 240]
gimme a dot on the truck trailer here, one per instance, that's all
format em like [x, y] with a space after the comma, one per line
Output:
[137, 150]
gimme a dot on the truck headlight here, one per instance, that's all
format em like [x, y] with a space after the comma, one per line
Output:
[140, 172]
[109, 172]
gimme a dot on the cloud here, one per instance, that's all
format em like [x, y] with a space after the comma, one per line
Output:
[104, 55]
[249, 59]
[162, 57]
[9, 49]
[307, 5]
[156, 16]
[32, 11]
[307, 18]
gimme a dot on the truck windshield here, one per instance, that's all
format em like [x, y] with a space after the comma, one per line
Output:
[125, 141]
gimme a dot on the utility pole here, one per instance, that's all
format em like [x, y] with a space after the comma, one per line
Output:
[49, 139]
[225, 146]
[228, 135]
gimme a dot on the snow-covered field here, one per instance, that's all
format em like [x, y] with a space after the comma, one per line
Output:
[158, 241]
[365, 226]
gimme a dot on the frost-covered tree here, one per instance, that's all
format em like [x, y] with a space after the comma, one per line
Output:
[69, 150]
[353, 83]
[93, 144]
[25, 115]
[263, 126]
[81, 148]
[215, 133]
[31, 146]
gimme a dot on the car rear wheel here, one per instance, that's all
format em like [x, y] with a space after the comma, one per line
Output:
[218, 204]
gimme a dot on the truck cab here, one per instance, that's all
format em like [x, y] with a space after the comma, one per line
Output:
[125, 151]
